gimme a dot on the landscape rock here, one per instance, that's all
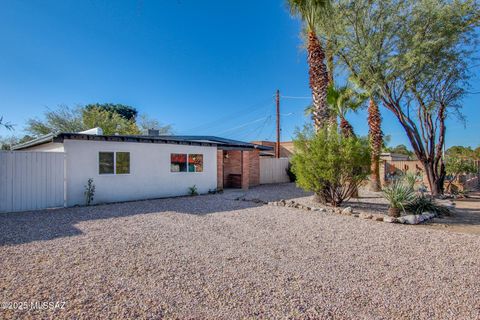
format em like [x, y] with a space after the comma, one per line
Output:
[389, 219]
[366, 215]
[347, 211]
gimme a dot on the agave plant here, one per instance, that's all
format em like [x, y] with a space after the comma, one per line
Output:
[399, 195]
[411, 179]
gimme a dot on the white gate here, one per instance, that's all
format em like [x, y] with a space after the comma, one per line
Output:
[31, 180]
[273, 170]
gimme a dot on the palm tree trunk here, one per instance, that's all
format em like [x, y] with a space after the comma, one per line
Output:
[318, 77]
[376, 140]
[346, 128]
[331, 72]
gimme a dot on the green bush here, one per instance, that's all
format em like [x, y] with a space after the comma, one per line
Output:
[193, 191]
[330, 165]
[423, 204]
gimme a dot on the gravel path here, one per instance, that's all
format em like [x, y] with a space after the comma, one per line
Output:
[210, 257]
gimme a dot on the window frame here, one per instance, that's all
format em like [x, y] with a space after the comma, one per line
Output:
[114, 163]
[188, 155]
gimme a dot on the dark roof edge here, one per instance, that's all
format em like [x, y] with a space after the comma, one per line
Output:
[210, 141]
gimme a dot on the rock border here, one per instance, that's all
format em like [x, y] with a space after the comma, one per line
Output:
[348, 211]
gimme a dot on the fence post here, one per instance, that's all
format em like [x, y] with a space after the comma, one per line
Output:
[65, 180]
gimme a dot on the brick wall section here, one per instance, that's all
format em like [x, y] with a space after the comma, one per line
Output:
[219, 169]
[254, 175]
[245, 170]
[232, 164]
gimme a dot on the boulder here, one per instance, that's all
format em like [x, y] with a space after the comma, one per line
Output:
[410, 219]
[390, 219]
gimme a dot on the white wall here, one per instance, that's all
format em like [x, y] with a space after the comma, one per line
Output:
[149, 177]
[48, 147]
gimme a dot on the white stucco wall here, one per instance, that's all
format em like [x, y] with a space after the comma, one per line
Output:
[149, 177]
[47, 147]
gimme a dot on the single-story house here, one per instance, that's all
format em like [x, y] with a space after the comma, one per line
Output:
[134, 167]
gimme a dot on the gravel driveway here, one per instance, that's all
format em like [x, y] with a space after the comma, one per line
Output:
[215, 257]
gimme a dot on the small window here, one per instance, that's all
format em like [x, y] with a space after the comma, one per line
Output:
[178, 162]
[123, 162]
[195, 163]
[106, 163]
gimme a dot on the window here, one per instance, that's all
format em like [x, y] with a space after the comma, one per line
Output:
[105, 163]
[178, 162]
[195, 162]
[114, 162]
[123, 162]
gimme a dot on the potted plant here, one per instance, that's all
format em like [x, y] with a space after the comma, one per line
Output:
[398, 195]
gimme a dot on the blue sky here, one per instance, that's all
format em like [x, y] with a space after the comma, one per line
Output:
[205, 67]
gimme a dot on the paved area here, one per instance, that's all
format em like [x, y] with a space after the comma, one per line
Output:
[213, 257]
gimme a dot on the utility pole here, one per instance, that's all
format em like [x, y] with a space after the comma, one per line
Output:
[277, 146]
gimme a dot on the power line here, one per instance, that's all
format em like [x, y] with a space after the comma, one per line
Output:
[295, 97]
[232, 116]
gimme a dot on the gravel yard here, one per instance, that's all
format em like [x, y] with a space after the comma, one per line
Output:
[216, 257]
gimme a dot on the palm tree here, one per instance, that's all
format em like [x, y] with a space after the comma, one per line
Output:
[310, 11]
[341, 100]
[376, 142]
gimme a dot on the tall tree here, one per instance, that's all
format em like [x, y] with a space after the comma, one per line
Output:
[311, 11]
[126, 112]
[6, 125]
[61, 119]
[415, 53]
[376, 141]
[110, 122]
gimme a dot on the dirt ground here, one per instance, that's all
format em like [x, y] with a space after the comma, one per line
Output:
[466, 218]
[219, 257]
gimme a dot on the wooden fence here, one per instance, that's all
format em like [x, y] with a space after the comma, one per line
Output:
[31, 180]
[273, 170]
[394, 168]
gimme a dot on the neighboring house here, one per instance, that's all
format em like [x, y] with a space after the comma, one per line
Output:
[149, 166]
[286, 148]
[388, 156]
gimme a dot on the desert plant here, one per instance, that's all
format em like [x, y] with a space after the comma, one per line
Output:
[193, 191]
[89, 192]
[410, 179]
[330, 164]
[399, 195]
[423, 204]
[290, 173]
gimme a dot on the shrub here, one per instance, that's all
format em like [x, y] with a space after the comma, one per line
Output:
[423, 204]
[89, 192]
[410, 179]
[290, 173]
[399, 195]
[330, 165]
[193, 190]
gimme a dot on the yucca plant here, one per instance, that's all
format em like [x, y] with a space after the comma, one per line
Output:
[423, 204]
[399, 195]
[410, 179]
